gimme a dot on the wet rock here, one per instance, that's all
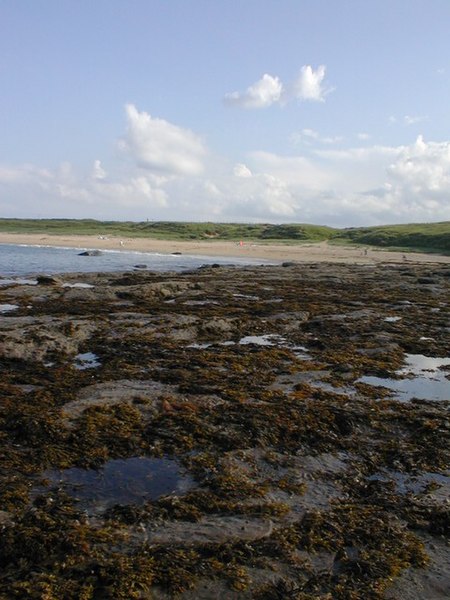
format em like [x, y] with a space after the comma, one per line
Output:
[33, 338]
[49, 280]
[217, 327]
[117, 392]
[218, 530]
[5, 518]
[90, 253]
[162, 289]
[140, 266]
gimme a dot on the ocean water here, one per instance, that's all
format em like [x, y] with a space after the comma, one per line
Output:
[23, 261]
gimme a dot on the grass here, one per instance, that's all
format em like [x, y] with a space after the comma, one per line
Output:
[428, 237]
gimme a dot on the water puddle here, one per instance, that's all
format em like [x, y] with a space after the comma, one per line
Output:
[268, 340]
[246, 296]
[414, 484]
[78, 285]
[424, 379]
[6, 308]
[7, 281]
[87, 360]
[262, 340]
[123, 481]
[201, 346]
[275, 340]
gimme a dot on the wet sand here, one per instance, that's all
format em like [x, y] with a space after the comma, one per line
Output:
[309, 252]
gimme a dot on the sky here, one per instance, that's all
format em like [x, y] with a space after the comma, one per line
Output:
[274, 111]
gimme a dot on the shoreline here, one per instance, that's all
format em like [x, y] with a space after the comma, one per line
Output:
[308, 252]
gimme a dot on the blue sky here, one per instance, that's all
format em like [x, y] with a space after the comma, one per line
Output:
[321, 111]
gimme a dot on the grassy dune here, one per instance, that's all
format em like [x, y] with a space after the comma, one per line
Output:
[428, 237]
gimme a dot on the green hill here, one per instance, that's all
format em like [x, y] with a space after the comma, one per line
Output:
[429, 237]
[425, 237]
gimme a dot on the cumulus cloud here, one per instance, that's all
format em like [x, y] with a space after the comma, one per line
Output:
[27, 191]
[241, 170]
[269, 90]
[310, 84]
[364, 185]
[98, 172]
[157, 145]
[265, 92]
[423, 169]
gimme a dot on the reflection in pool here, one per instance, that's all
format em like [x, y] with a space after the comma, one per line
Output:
[123, 481]
[423, 378]
[87, 360]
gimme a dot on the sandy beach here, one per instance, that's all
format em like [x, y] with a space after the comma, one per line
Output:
[312, 252]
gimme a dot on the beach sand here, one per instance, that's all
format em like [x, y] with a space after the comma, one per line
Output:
[309, 252]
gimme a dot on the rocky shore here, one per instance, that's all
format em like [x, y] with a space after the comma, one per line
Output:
[222, 433]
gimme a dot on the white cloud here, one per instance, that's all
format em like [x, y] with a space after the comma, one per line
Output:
[269, 90]
[423, 169]
[412, 120]
[241, 170]
[308, 136]
[259, 196]
[157, 145]
[97, 171]
[297, 171]
[363, 136]
[408, 120]
[363, 185]
[34, 192]
[309, 84]
[265, 92]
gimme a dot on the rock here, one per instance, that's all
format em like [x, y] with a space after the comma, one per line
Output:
[140, 266]
[208, 530]
[38, 338]
[217, 327]
[176, 253]
[48, 280]
[90, 253]
[5, 518]
[162, 289]
[288, 264]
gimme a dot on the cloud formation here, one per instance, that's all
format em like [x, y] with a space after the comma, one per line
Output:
[363, 185]
[265, 92]
[98, 172]
[269, 90]
[309, 84]
[157, 145]
[308, 136]
[408, 120]
[66, 193]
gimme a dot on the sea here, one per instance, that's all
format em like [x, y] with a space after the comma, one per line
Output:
[25, 261]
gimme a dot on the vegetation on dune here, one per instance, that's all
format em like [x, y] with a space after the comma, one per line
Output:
[427, 236]
[430, 237]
